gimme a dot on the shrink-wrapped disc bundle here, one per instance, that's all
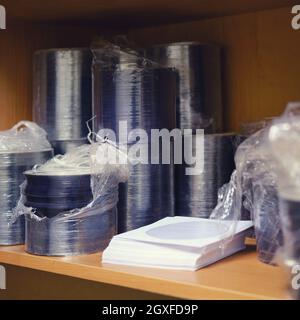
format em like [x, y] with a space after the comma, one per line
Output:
[199, 106]
[69, 203]
[133, 93]
[262, 195]
[196, 194]
[21, 148]
[199, 68]
[289, 210]
[253, 193]
[284, 146]
[52, 233]
[258, 193]
[63, 95]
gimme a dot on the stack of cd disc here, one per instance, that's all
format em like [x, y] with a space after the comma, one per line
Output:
[199, 107]
[199, 68]
[12, 166]
[290, 219]
[197, 195]
[63, 95]
[58, 227]
[146, 197]
[267, 222]
[142, 95]
[136, 91]
[51, 195]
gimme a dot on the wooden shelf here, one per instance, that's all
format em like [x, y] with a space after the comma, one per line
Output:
[132, 12]
[240, 276]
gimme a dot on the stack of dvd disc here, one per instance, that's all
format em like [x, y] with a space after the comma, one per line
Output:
[267, 222]
[142, 95]
[12, 166]
[290, 218]
[199, 107]
[146, 197]
[137, 91]
[199, 69]
[58, 227]
[63, 95]
[197, 195]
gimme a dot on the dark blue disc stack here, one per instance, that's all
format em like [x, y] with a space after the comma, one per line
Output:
[63, 95]
[197, 195]
[57, 228]
[12, 166]
[148, 196]
[199, 107]
[128, 88]
[290, 219]
[267, 224]
[199, 69]
[51, 195]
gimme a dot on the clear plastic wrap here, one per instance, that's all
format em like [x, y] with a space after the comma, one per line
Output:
[249, 128]
[25, 136]
[252, 193]
[21, 147]
[227, 196]
[81, 230]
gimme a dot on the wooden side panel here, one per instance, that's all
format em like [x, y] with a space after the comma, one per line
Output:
[261, 59]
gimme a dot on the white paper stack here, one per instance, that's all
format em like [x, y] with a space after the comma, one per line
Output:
[178, 243]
